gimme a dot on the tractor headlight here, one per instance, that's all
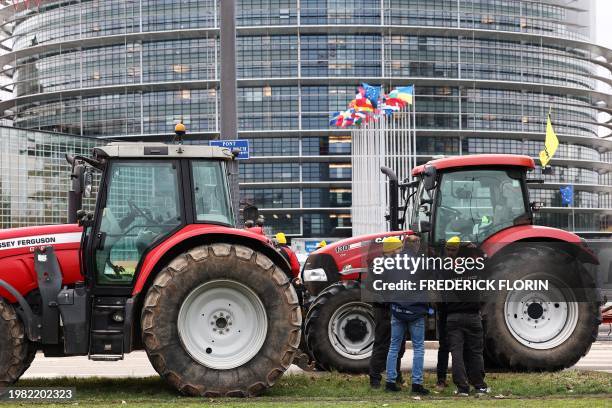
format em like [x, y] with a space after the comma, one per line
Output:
[314, 275]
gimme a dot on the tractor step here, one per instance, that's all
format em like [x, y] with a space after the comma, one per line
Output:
[106, 357]
[107, 329]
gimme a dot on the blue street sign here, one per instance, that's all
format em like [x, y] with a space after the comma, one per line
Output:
[310, 246]
[241, 144]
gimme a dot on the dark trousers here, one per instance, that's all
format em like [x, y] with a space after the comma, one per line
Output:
[443, 349]
[382, 340]
[465, 340]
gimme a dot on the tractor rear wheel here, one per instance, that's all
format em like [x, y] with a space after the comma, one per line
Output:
[339, 329]
[16, 351]
[540, 330]
[221, 320]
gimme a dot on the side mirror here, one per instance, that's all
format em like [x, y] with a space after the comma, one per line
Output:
[429, 179]
[87, 183]
[536, 205]
[250, 213]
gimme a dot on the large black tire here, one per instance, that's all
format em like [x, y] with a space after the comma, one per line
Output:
[16, 351]
[183, 276]
[502, 347]
[318, 330]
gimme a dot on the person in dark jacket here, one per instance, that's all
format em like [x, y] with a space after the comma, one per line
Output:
[465, 339]
[451, 249]
[408, 317]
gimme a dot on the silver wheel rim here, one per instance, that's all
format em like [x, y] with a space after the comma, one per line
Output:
[539, 320]
[222, 324]
[353, 313]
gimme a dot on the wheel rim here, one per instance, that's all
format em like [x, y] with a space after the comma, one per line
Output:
[539, 320]
[222, 324]
[351, 330]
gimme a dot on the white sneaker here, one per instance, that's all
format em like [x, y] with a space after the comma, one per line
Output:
[483, 391]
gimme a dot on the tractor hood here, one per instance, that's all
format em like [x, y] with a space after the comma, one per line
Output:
[342, 260]
[17, 255]
[17, 240]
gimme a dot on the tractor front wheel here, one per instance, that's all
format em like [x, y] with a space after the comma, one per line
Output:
[16, 351]
[221, 320]
[339, 329]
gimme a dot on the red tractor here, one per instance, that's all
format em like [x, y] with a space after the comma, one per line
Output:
[483, 199]
[159, 266]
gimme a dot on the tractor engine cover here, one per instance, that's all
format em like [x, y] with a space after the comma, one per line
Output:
[17, 247]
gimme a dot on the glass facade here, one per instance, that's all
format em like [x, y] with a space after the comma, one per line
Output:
[486, 73]
[35, 176]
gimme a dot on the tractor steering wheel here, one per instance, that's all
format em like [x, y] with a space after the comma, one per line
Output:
[135, 209]
[456, 213]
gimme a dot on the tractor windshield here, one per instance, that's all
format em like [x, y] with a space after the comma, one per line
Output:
[475, 204]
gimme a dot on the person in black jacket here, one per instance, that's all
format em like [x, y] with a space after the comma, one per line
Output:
[465, 338]
[451, 249]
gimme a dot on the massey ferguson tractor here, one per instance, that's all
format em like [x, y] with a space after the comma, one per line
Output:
[159, 266]
[483, 200]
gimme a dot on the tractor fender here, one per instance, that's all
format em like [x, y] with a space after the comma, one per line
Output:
[199, 234]
[537, 233]
[31, 322]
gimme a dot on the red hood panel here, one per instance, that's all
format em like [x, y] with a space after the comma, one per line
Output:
[17, 258]
[22, 240]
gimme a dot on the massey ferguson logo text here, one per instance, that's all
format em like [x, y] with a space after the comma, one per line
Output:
[27, 242]
[40, 240]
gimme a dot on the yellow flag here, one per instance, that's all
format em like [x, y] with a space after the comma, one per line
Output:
[550, 144]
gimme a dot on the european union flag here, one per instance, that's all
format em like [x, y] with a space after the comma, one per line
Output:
[567, 196]
[372, 93]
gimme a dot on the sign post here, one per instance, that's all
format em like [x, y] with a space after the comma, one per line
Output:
[228, 109]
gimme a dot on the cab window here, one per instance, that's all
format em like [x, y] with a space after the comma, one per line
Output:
[211, 193]
[475, 204]
[142, 206]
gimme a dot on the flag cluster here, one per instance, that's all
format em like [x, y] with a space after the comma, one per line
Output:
[371, 103]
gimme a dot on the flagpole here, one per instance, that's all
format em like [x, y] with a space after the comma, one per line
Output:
[573, 214]
[414, 127]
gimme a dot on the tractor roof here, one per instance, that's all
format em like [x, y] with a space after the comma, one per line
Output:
[478, 160]
[161, 151]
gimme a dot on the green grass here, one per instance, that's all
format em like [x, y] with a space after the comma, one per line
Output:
[567, 388]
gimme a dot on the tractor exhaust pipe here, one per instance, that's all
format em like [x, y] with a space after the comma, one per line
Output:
[393, 216]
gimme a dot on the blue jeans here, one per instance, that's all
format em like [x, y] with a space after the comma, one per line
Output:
[398, 335]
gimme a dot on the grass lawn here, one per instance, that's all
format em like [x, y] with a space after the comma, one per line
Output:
[567, 388]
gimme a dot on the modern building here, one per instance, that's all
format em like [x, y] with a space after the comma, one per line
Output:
[35, 176]
[486, 74]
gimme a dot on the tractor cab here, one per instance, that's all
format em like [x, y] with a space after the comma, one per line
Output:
[148, 191]
[471, 197]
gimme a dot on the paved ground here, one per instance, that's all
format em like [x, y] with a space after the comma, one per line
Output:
[137, 364]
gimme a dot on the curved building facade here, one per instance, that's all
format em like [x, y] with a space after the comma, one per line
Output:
[486, 75]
